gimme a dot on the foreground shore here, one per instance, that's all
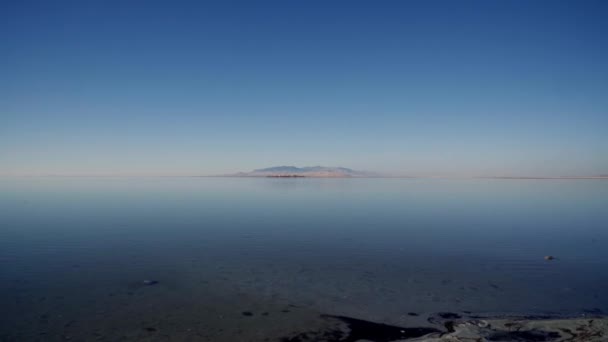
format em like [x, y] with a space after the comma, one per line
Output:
[452, 327]
[592, 329]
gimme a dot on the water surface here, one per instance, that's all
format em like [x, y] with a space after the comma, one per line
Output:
[254, 258]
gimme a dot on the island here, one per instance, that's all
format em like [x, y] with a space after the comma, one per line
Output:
[305, 172]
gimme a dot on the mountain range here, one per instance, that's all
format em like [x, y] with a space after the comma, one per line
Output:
[309, 171]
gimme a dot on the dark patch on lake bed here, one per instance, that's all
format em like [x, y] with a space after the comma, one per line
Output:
[448, 315]
[351, 329]
[523, 336]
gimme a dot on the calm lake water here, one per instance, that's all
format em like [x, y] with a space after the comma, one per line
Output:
[240, 259]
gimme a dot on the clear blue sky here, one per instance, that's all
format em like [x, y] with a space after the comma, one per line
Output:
[404, 87]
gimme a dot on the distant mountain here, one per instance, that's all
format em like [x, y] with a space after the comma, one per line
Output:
[309, 171]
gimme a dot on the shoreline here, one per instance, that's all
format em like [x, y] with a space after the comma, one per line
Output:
[451, 327]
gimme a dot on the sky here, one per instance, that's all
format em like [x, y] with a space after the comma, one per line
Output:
[400, 87]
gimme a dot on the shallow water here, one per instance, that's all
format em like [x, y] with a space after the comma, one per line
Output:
[256, 258]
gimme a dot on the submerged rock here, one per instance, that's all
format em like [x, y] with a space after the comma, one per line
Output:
[549, 257]
[150, 282]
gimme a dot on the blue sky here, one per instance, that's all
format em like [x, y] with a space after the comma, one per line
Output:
[402, 87]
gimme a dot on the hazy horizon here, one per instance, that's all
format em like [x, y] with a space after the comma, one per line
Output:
[434, 88]
[372, 174]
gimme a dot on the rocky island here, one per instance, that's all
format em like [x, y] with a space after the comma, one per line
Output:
[309, 171]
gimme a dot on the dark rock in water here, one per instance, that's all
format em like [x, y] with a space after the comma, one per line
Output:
[412, 314]
[524, 336]
[365, 330]
[594, 311]
[539, 317]
[445, 319]
[449, 315]
[247, 313]
[150, 282]
[549, 257]
[150, 329]
[361, 330]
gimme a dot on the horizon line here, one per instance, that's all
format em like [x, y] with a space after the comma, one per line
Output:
[386, 176]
